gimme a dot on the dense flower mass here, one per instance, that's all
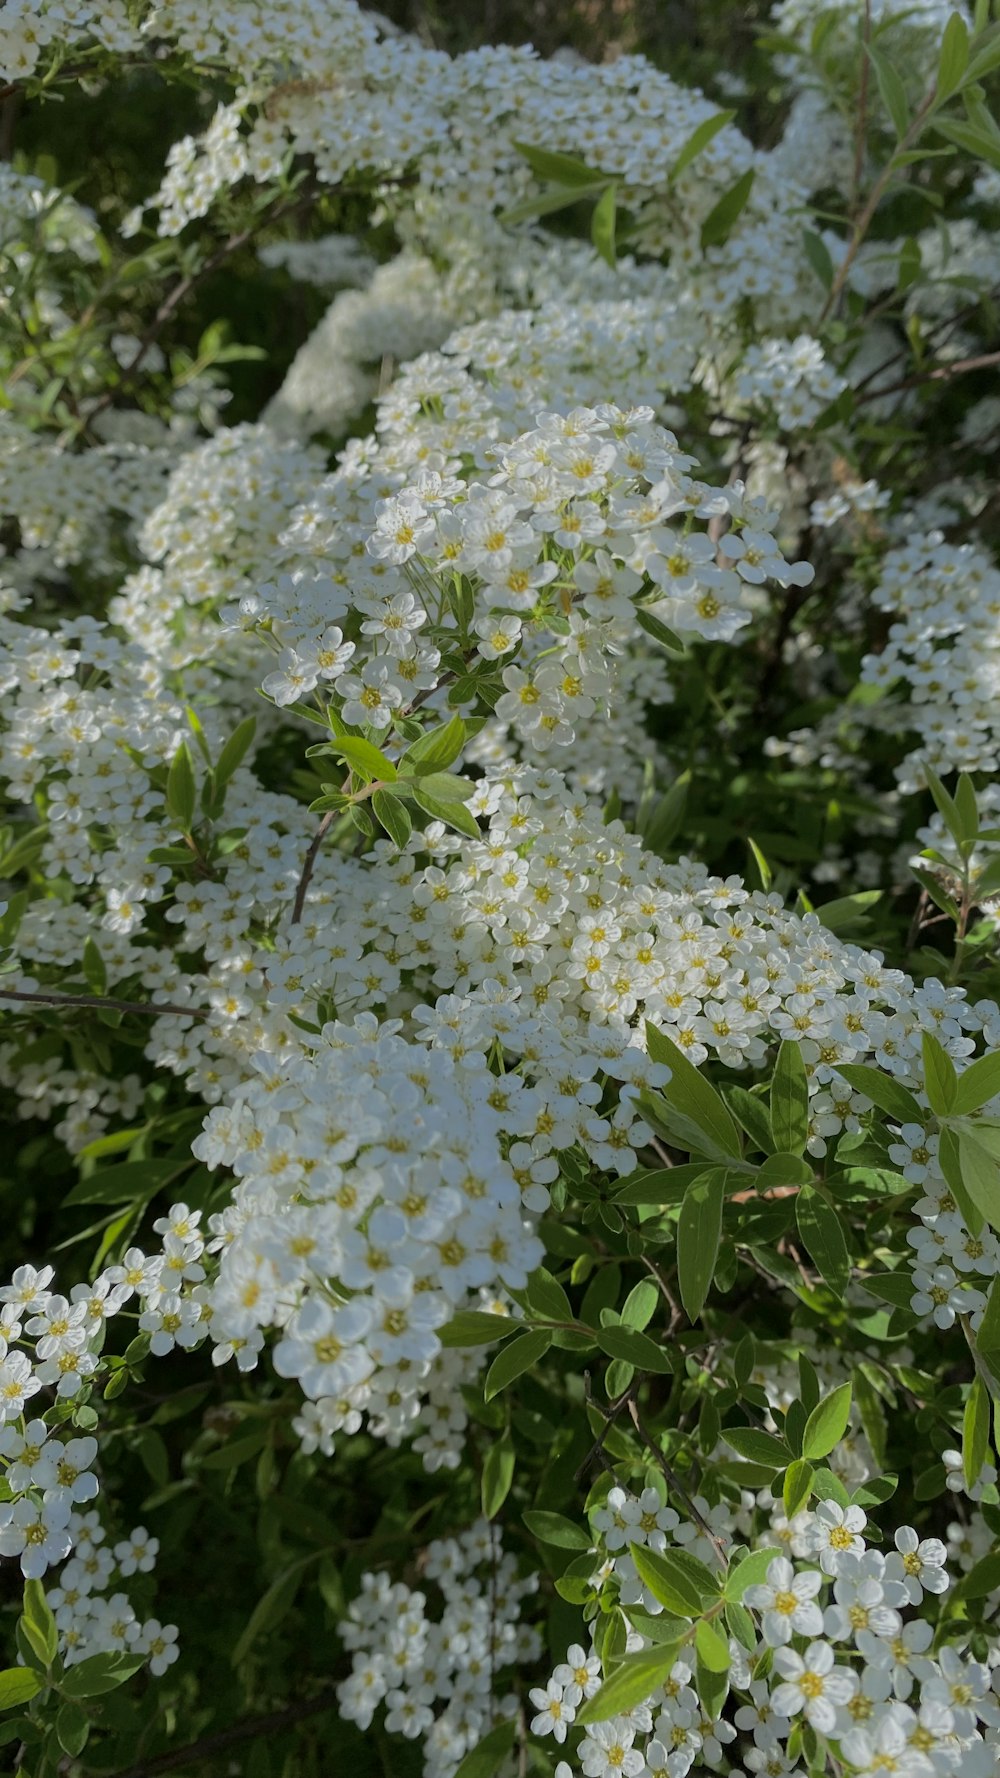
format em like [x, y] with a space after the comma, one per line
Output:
[500, 644]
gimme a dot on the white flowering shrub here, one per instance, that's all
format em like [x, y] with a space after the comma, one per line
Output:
[500, 873]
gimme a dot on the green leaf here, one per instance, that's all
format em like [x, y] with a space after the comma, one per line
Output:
[975, 1431]
[99, 1674]
[435, 750]
[818, 255]
[823, 1236]
[981, 1176]
[797, 1486]
[891, 88]
[827, 1423]
[271, 1609]
[679, 1581]
[554, 197]
[764, 871]
[39, 1623]
[751, 1572]
[757, 1446]
[699, 1227]
[660, 1185]
[547, 1298]
[890, 1287]
[130, 1183]
[699, 139]
[884, 1091]
[719, 222]
[945, 804]
[940, 1079]
[692, 1095]
[977, 142]
[391, 814]
[489, 1754]
[235, 751]
[365, 760]
[658, 630]
[954, 58]
[846, 913]
[17, 1685]
[94, 969]
[514, 1359]
[562, 169]
[977, 1084]
[182, 793]
[981, 1580]
[641, 1303]
[498, 1473]
[711, 1647]
[950, 1163]
[988, 1336]
[553, 1528]
[751, 1112]
[635, 1678]
[453, 814]
[789, 1100]
[72, 1729]
[633, 1347]
[472, 1327]
[782, 1169]
[602, 225]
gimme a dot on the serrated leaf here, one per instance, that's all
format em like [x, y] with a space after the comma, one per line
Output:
[699, 1227]
[516, 1358]
[498, 1474]
[823, 1237]
[827, 1424]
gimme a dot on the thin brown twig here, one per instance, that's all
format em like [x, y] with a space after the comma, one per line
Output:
[940, 374]
[149, 1009]
[673, 1481]
[861, 130]
[875, 197]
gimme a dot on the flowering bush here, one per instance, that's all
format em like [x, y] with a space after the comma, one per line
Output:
[500, 949]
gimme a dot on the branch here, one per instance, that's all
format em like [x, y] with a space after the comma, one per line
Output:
[673, 1481]
[149, 1009]
[309, 864]
[247, 1730]
[940, 374]
[864, 221]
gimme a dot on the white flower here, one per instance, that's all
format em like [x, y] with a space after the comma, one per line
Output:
[835, 1534]
[579, 1675]
[787, 1602]
[918, 1564]
[38, 1534]
[811, 1683]
[554, 1714]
